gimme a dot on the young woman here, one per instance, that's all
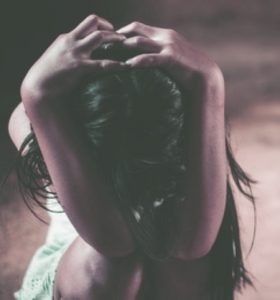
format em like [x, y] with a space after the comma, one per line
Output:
[135, 151]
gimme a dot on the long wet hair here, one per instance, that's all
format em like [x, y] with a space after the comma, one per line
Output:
[136, 122]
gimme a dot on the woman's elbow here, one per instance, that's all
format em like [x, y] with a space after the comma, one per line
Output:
[116, 250]
[112, 245]
[194, 248]
[192, 253]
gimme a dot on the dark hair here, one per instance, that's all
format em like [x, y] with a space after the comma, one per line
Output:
[135, 121]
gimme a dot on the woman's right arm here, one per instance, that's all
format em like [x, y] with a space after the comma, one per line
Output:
[200, 215]
[89, 204]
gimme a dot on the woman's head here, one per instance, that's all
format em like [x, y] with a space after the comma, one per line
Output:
[135, 115]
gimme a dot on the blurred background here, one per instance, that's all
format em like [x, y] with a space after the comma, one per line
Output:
[241, 36]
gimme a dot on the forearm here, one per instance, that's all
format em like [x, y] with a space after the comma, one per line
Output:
[199, 217]
[84, 197]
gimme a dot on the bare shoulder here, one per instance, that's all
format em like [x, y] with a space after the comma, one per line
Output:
[98, 277]
[19, 125]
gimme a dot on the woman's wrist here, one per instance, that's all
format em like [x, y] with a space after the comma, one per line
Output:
[208, 85]
[39, 105]
[34, 95]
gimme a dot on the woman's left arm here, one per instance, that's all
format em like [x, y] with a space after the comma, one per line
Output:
[199, 217]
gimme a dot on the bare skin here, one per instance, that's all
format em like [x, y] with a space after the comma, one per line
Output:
[105, 239]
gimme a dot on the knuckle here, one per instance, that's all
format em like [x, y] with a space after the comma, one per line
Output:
[93, 18]
[215, 72]
[138, 41]
[135, 25]
[66, 39]
[62, 37]
[99, 34]
[171, 33]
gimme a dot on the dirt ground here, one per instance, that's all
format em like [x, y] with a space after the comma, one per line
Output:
[257, 141]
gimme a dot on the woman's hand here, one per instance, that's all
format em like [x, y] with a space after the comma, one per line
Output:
[169, 50]
[67, 60]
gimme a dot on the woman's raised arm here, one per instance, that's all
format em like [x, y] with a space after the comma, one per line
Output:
[199, 217]
[88, 203]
